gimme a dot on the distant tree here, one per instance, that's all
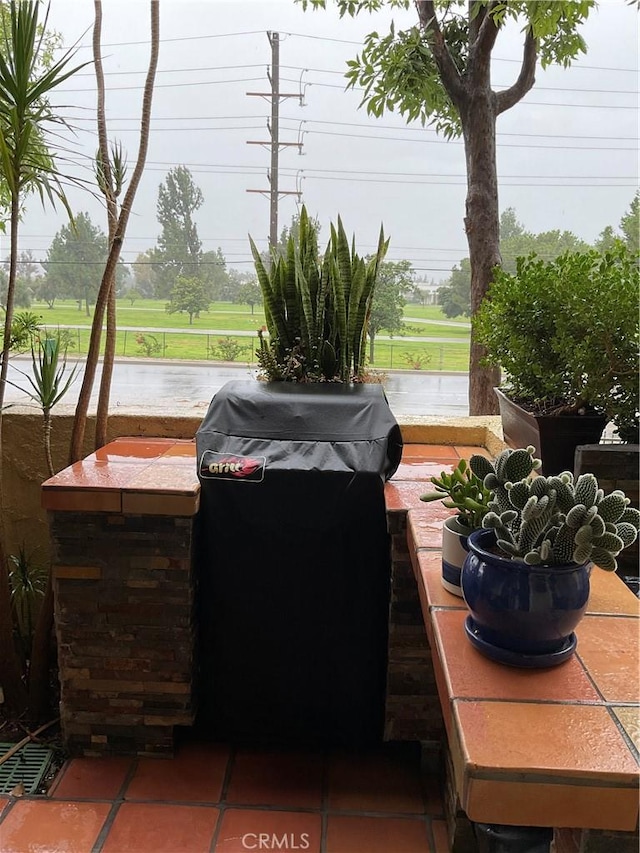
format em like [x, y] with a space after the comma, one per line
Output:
[27, 281]
[47, 291]
[124, 278]
[606, 239]
[132, 294]
[144, 274]
[189, 295]
[510, 228]
[455, 295]
[21, 295]
[28, 269]
[249, 294]
[394, 282]
[179, 250]
[629, 226]
[213, 267]
[235, 281]
[75, 260]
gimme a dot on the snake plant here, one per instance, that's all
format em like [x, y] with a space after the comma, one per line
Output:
[316, 308]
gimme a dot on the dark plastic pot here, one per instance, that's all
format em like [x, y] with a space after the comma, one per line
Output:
[555, 437]
[519, 614]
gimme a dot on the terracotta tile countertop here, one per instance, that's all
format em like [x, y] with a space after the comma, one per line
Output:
[146, 476]
[551, 747]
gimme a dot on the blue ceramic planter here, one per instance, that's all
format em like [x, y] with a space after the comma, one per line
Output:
[522, 615]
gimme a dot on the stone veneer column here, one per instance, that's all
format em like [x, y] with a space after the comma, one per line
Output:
[412, 708]
[122, 525]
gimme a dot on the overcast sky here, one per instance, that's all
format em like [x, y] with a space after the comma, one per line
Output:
[567, 154]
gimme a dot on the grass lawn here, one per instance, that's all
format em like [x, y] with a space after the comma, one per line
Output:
[431, 312]
[177, 339]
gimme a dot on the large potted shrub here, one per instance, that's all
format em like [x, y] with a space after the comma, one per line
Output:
[565, 332]
[526, 579]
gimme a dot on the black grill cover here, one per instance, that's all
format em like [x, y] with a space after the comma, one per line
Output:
[293, 564]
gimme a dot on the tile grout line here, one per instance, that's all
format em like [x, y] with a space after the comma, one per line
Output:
[115, 808]
[222, 804]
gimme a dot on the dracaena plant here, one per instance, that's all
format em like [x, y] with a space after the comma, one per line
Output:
[556, 520]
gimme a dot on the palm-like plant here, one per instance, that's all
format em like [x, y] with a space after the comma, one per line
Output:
[27, 162]
[49, 381]
[27, 166]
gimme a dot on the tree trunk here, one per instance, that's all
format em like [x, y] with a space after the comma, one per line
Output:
[80, 418]
[109, 192]
[482, 225]
[102, 412]
[372, 340]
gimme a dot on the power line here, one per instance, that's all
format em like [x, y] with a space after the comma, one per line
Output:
[459, 142]
[523, 102]
[377, 176]
[322, 71]
[376, 125]
[168, 85]
[167, 41]
[373, 136]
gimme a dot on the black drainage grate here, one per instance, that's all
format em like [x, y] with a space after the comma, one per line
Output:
[27, 766]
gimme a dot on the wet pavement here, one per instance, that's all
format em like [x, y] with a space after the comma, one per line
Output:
[163, 383]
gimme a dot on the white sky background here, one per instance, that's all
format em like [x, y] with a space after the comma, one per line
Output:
[567, 153]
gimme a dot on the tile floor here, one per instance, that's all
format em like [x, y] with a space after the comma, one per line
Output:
[212, 798]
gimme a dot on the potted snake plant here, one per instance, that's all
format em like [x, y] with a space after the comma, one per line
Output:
[317, 308]
[526, 579]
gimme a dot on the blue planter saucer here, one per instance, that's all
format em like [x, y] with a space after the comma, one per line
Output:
[521, 659]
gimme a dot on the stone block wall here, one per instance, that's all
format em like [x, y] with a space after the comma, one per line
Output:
[412, 706]
[124, 595]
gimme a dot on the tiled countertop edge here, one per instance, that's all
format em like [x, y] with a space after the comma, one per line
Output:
[606, 799]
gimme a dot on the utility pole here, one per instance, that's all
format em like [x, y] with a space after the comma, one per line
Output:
[274, 193]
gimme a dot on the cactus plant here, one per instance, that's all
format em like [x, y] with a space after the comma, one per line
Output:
[463, 491]
[556, 520]
[475, 487]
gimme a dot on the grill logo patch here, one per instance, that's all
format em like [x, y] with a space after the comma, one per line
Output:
[231, 466]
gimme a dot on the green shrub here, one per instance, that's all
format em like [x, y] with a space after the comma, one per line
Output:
[566, 333]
